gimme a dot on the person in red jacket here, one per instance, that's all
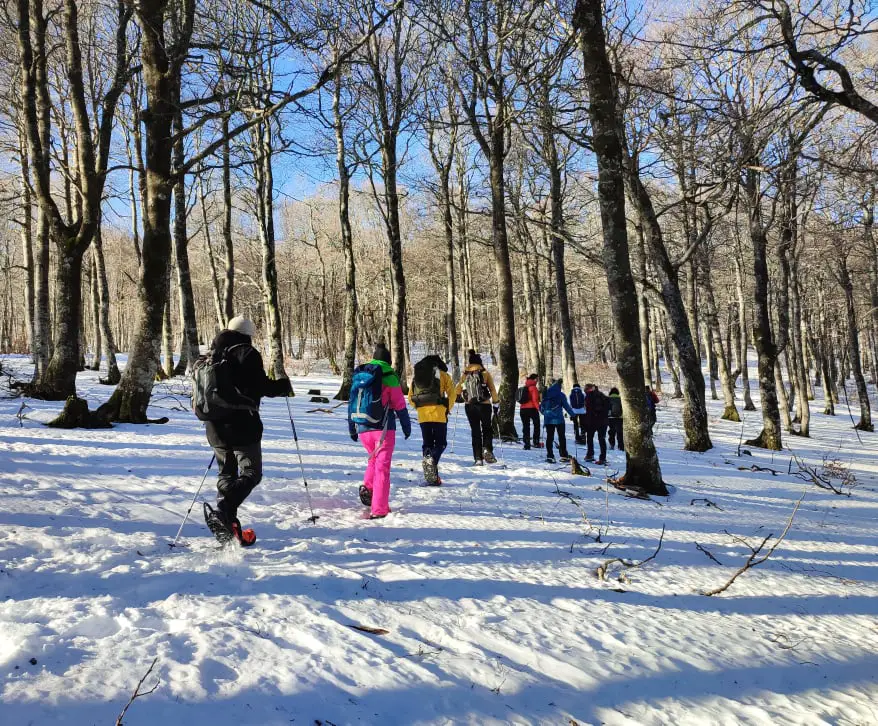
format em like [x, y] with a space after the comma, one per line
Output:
[530, 413]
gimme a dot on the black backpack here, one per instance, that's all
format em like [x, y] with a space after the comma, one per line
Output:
[600, 405]
[214, 394]
[522, 395]
[426, 386]
[577, 398]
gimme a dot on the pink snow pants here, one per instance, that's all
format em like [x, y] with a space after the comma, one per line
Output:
[377, 476]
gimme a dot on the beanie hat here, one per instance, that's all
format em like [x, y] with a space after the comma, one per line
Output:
[242, 325]
[473, 358]
[381, 353]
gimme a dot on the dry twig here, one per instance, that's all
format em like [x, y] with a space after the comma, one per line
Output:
[707, 552]
[137, 693]
[603, 570]
[756, 557]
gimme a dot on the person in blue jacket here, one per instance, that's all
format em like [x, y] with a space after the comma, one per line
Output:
[554, 405]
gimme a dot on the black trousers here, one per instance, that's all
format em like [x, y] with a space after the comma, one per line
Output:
[601, 430]
[551, 429]
[615, 434]
[240, 470]
[435, 439]
[530, 417]
[479, 417]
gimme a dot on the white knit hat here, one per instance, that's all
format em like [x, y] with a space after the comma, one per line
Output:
[242, 325]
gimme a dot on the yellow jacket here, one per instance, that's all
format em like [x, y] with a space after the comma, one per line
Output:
[485, 376]
[437, 412]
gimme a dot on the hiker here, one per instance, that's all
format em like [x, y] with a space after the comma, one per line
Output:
[432, 394]
[553, 407]
[597, 407]
[529, 400]
[652, 400]
[477, 390]
[614, 429]
[375, 404]
[236, 432]
[577, 403]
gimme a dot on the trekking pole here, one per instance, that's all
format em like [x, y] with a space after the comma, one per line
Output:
[454, 433]
[194, 499]
[313, 518]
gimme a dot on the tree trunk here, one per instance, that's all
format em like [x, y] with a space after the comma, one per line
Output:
[642, 463]
[216, 288]
[347, 243]
[730, 410]
[695, 422]
[853, 344]
[743, 333]
[228, 242]
[27, 247]
[95, 311]
[766, 349]
[556, 226]
[113, 374]
[130, 400]
[265, 215]
[189, 349]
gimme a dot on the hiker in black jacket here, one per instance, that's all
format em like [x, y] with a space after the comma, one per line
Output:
[597, 406]
[237, 437]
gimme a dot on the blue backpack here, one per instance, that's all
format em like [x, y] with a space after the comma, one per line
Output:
[577, 398]
[365, 407]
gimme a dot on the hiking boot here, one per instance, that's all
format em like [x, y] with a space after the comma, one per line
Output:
[377, 516]
[590, 458]
[564, 458]
[527, 447]
[430, 472]
[437, 482]
[489, 457]
[539, 445]
[601, 462]
[479, 462]
[550, 459]
[245, 537]
[365, 495]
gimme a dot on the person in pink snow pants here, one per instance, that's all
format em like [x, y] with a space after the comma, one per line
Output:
[376, 430]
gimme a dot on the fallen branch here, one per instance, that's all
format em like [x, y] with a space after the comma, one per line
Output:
[370, 630]
[707, 552]
[823, 479]
[137, 693]
[754, 467]
[603, 569]
[707, 503]
[755, 559]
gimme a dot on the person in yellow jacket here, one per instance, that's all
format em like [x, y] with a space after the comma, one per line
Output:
[432, 394]
[480, 395]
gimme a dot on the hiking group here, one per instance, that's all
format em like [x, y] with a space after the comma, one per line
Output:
[230, 381]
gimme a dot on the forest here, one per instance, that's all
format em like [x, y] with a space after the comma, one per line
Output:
[585, 190]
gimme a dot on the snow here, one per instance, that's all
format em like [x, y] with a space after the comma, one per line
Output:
[486, 587]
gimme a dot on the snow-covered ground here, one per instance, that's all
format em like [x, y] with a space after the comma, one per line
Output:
[486, 588]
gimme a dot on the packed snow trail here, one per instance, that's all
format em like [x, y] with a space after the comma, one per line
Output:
[486, 587]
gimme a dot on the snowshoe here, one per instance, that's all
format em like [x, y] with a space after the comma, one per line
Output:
[431, 474]
[365, 495]
[489, 457]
